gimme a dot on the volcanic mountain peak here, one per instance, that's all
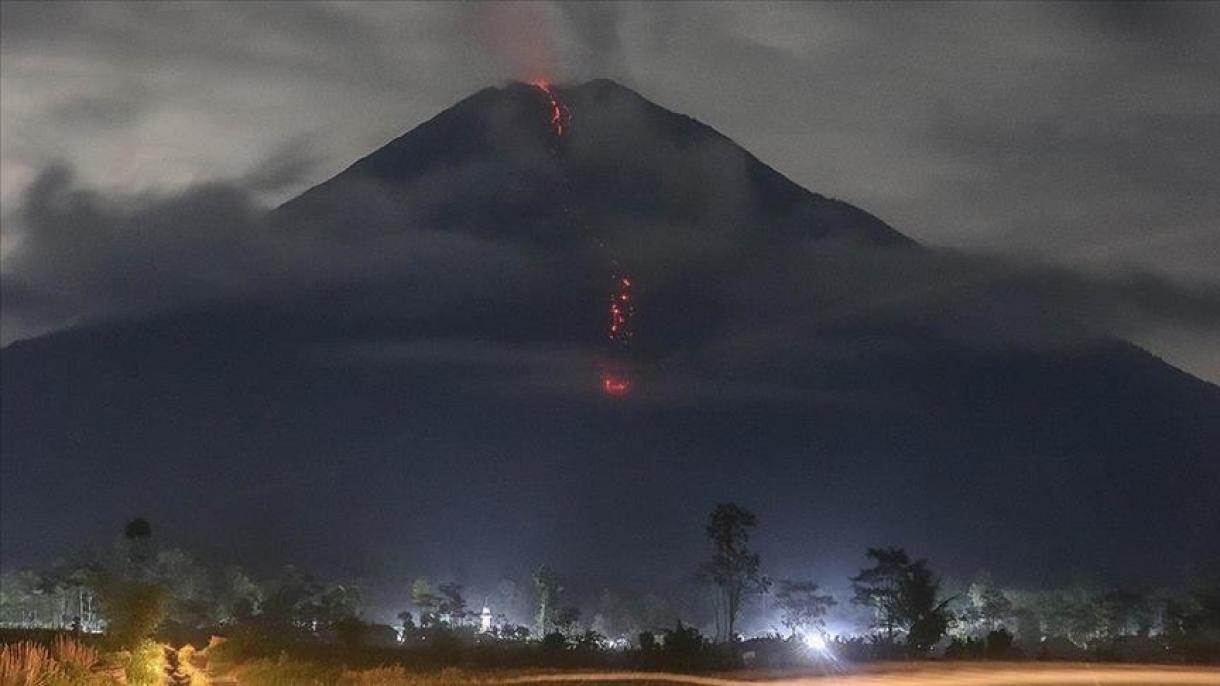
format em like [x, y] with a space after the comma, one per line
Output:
[516, 161]
[423, 368]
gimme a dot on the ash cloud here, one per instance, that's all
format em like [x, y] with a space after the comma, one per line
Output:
[84, 255]
[715, 328]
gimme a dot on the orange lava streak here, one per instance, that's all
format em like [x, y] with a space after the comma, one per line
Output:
[559, 114]
[622, 306]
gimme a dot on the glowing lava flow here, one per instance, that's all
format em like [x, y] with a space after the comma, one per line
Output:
[615, 385]
[621, 308]
[560, 115]
[622, 304]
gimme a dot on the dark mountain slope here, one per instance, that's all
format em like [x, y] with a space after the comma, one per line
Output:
[263, 426]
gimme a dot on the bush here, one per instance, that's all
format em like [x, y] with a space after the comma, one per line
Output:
[134, 610]
[965, 649]
[776, 651]
[925, 632]
[867, 648]
[999, 644]
[554, 642]
[144, 664]
[683, 642]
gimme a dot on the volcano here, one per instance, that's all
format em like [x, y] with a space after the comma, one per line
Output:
[494, 165]
[440, 405]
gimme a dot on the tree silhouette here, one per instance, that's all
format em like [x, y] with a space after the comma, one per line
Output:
[801, 605]
[993, 608]
[733, 568]
[904, 596]
[426, 600]
[138, 536]
[547, 584]
[408, 626]
[879, 587]
[137, 528]
[566, 620]
[451, 605]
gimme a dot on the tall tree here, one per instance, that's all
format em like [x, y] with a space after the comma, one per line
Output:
[733, 568]
[426, 600]
[408, 626]
[452, 605]
[800, 605]
[290, 600]
[879, 587]
[237, 595]
[566, 621]
[338, 603]
[1072, 614]
[904, 595]
[927, 615]
[137, 537]
[133, 603]
[546, 582]
[1125, 611]
[991, 606]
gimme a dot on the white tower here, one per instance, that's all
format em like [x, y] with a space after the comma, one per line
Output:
[485, 620]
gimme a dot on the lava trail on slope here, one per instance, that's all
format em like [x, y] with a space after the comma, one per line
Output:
[615, 380]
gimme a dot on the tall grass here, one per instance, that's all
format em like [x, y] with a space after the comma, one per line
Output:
[28, 664]
[399, 676]
[66, 662]
[286, 671]
[74, 656]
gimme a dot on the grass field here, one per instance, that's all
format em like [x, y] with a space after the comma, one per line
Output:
[919, 674]
[65, 662]
[895, 674]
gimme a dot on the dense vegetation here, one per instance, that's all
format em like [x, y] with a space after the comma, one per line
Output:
[118, 605]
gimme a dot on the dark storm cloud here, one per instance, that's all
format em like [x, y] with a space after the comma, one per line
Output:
[1083, 135]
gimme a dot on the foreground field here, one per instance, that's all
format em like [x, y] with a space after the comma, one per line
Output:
[897, 674]
[974, 674]
[69, 663]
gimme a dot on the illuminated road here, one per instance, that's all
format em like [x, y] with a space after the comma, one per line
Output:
[976, 674]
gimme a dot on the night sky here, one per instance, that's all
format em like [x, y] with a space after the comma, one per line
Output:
[392, 375]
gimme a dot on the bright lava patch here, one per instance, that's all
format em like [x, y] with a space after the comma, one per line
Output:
[615, 385]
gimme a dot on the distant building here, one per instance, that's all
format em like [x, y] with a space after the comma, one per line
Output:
[485, 620]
